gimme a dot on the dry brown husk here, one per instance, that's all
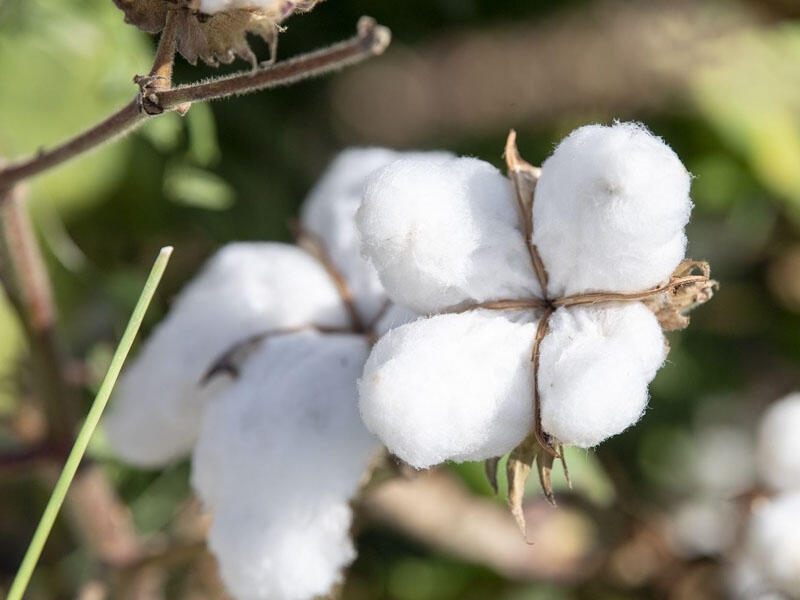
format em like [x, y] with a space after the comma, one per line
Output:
[217, 38]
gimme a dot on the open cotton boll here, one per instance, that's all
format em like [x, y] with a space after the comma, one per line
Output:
[778, 447]
[281, 453]
[288, 427]
[773, 542]
[451, 387]
[610, 210]
[594, 368]
[245, 289]
[444, 231]
[329, 212]
[298, 556]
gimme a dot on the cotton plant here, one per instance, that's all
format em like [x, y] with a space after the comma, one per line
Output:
[253, 373]
[768, 564]
[215, 30]
[546, 295]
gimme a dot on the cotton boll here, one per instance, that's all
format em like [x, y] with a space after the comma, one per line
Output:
[773, 542]
[609, 211]
[723, 461]
[245, 289]
[329, 212]
[595, 365]
[298, 556]
[443, 232]
[281, 453]
[703, 527]
[451, 387]
[778, 448]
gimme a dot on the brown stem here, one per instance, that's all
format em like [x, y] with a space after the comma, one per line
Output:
[372, 40]
[30, 285]
[167, 46]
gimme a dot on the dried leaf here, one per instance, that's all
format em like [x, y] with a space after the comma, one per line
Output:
[490, 466]
[147, 15]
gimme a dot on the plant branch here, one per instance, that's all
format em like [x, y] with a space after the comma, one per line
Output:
[29, 285]
[371, 40]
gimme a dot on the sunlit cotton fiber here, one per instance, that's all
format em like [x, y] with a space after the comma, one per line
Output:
[451, 387]
[444, 231]
[595, 365]
[610, 210]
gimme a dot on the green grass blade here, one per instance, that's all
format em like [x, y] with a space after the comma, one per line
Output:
[42, 532]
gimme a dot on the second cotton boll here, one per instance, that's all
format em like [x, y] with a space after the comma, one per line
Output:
[446, 236]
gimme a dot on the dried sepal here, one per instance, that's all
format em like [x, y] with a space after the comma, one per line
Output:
[518, 469]
[490, 467]
[672, 307]
[214, 38]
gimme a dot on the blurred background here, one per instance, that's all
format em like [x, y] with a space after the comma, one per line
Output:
[719, 81]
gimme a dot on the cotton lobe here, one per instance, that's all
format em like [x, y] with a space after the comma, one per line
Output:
[436, 371]
[329, 213]
[609, 211]
[595, 366]
[778, 447]
[441, 232]
[245, 289]
[281, 453]
[446, 235]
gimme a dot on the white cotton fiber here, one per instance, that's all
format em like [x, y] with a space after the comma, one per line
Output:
[295, 557]
[245, 289]
[329, 213]
[444, 231]
[281, 453]
[610, 210]
[773, 542]
[595, 365]
[778, 447]
[451, 387]
[210, 7]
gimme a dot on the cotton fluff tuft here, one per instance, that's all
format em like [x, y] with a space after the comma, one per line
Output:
[329, 212]
[442, 232]
[773, 542]
[451, 387]
[778, 446]
[210, 7]
[245, 289]
[595, 365]
[610, 210]
[281, 453]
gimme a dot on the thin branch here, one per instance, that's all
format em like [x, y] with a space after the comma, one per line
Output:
[371, 40]
[28, 283]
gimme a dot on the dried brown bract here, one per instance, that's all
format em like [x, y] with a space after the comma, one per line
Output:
[219, 37]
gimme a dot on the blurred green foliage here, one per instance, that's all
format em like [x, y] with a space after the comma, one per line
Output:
[240, 168]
